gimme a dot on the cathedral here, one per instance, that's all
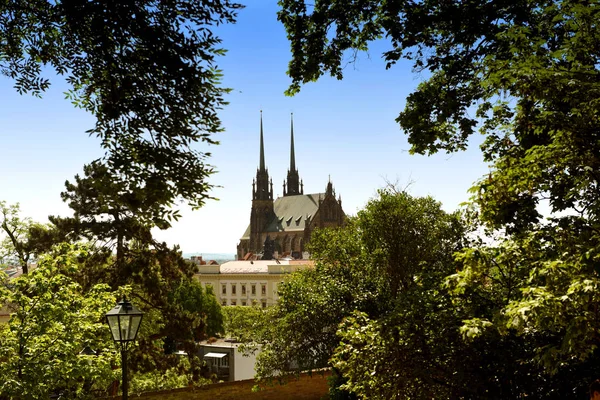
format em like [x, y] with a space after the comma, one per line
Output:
[282, 227]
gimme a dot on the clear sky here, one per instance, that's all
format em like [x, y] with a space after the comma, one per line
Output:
[343, 129]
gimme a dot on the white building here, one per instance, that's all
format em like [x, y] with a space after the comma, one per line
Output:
[227, 362]
[244, 283]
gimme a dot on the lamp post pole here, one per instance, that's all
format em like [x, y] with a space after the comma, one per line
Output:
[124, 372]
[124, 322]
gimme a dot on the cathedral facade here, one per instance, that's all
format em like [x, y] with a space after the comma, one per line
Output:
[282, 227]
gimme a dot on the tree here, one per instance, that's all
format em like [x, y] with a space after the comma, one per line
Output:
[534, 291]
[14, 246]
[24, 238]
[202, 304]
[145, 69]
[245, 324]
[116, 216]
[190, 315]
[530, 72]
[112, 211]
[52, 322]
[383, 264]
[530, 68]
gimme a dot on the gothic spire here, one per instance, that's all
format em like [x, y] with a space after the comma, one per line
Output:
[293, 180]
[262, 174]
[262, 145]
[292, 154]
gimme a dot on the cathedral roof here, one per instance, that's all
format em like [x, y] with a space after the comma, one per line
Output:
[292, 213]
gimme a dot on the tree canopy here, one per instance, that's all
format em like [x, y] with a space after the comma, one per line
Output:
[529, 69]
[15, 246]
[383, 263]
[145, 69]
[52, 323]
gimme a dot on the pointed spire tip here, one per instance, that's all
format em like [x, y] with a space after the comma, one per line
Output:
[262, 146]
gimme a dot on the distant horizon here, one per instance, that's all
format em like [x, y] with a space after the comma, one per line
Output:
[205, 255]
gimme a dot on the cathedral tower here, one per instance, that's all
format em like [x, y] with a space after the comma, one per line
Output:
[262, 198]
[294, 185]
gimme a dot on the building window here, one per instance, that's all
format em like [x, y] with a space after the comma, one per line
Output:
[263, 289]
[224, 303]
[243, 302]
[223, 289]
[233, 303]
[233, 288]
[243, 289]
[264, 304]
[253, 290]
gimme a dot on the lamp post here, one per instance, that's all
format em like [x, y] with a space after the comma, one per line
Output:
[124, 322]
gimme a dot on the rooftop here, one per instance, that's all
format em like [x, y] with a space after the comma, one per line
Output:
[255, 267]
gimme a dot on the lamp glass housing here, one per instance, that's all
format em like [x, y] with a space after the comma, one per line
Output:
[124, 321]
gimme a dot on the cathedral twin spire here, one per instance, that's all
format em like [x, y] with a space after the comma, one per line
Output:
[260, 188]
[294, 185]
[293, 179]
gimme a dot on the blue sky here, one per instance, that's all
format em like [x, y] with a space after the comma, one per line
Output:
[343, 129]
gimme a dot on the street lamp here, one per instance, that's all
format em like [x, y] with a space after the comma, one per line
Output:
[124, 322]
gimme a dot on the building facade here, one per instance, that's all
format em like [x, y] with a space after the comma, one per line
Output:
[282, 227]
[248, 283]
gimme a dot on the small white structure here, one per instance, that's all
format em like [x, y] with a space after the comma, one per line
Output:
[224, 359]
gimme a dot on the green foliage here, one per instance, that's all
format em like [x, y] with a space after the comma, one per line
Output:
[117, 215]
[172, 378]
[182, 312]
[409, 234]
[246, 324]
[301, 327]
[201, 306]
[151, 79]
[190, 315]
[529, 68]
[21, 237]
[384, 265]
[53, 320]
[525, 74]
[147, 71]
